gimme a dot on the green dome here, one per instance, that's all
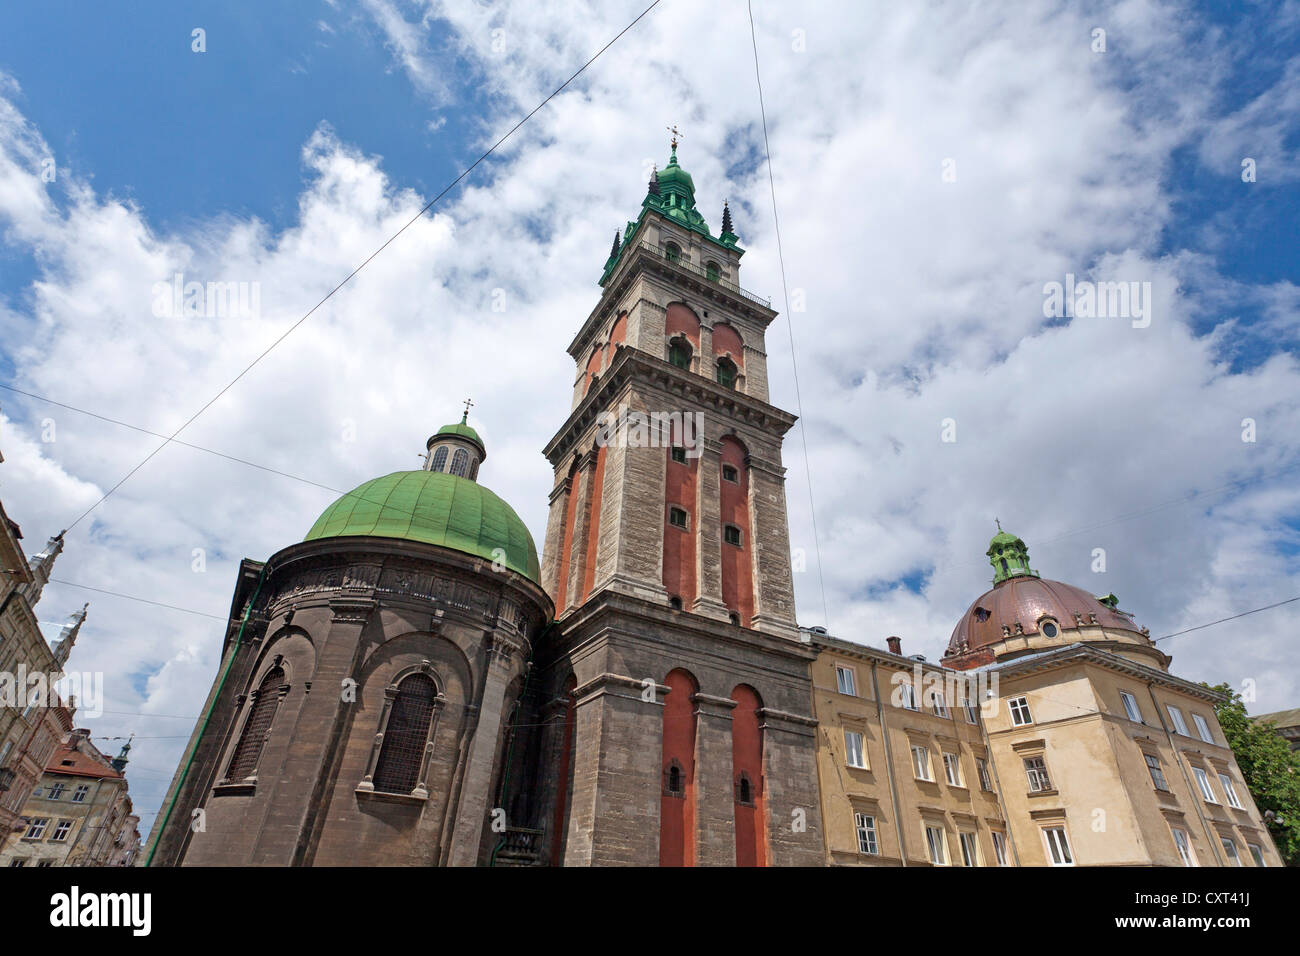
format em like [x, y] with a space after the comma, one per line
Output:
[461, 429]
[673, 175]
[435, 508]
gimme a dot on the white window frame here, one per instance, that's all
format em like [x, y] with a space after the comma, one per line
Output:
[1183, 844]
[1059, 852]
[852, 737]
[1203, 728]
[938, 706]
[1021, 716]
[864, 824]
[952, 769]
[1040, 781]
[841, 673]
[1176, 715]
[1230, 791]
[921, 764]
[999, 846]
[970, 853]
[60, 832]
[1131, 707]
[79, 795]
[936, 843]
[36, 829]
[908, 692]
[982, 771]
[1256, 853]
[972, 710]
[1230, 848]
[1203, 781]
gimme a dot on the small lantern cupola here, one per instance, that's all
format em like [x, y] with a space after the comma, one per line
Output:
[1009, 556]
[456, 449]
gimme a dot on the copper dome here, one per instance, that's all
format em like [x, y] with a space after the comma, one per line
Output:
[1022, 604]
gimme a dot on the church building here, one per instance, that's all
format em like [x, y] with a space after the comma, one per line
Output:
[411, 685]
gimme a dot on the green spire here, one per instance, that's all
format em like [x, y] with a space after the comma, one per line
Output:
[1009, 556]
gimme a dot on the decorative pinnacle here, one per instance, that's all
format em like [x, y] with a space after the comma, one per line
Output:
[654, 180]
[673, 129]
[465, 417]
[726, 217]
[614, 249]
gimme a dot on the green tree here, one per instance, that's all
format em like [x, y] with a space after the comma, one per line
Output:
[1270, 768]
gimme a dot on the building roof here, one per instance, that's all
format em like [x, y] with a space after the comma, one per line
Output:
[434, 508]
[68, 759]
[1282, 718]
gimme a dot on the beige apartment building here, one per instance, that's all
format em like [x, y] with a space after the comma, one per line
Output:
[1051, 734]
[80, 814]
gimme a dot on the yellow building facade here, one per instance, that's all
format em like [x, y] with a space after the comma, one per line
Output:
[1051, 734]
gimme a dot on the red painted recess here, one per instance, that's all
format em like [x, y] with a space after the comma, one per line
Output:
[593, 526]
[677, 810]
[681, 481]
[747, 764]
[566, 545]
[737, 559]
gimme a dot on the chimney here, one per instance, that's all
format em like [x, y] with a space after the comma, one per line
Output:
[895, 645]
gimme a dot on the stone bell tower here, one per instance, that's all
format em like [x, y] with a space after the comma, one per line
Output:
[676, 690]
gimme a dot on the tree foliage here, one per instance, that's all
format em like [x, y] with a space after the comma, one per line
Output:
[1270, 768]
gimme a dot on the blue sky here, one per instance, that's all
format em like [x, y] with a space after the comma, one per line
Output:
[308, 132]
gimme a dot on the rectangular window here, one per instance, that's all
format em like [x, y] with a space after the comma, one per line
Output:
[16, 862]
[982, 767]
[1230, 849]
[729, 473]
[853, 749]
[908, 695]
[61, 831]
[969, 857]
[938, 705]
[1157, 773]
[677, 517]
[937, 845]
[1036, 771]
[866, 827]
[1058, 847]
[56, 791]
[972, 710]
[1020, 711]
[921, 763]
[731, 534]
[1230, 792]
[1176, 716]
[1184, 845]
[1256, 854]
[37, 828]
[79, 795]
[1000, 848]
[1203, 782]
[846, 681]
[1131, 706]
[679, 454]
[1203, 728]
[952, 769]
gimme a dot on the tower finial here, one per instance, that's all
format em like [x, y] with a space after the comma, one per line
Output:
[465, 417]
[673, 129]
[998, 523]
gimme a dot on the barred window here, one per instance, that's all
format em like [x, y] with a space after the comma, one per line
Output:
[249, 749]
[400, 757]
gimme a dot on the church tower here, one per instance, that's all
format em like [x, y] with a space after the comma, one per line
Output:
[676, 689]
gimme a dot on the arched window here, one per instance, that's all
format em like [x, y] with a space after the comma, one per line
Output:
[439, 458]
[675, 603]
[679, 353]
[744, 790]
[712, 272]
[257, 727]
[674, 780]
[673, 252]
[460, 462]
[402, 753]
[726, 373]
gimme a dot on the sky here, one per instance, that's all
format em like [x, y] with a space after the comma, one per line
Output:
[935, 167]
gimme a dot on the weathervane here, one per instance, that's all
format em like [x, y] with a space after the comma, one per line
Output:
[673, 129]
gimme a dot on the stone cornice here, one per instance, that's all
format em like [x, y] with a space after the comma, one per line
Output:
[633, 364]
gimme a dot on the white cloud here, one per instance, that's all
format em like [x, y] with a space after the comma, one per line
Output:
[924, 302]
